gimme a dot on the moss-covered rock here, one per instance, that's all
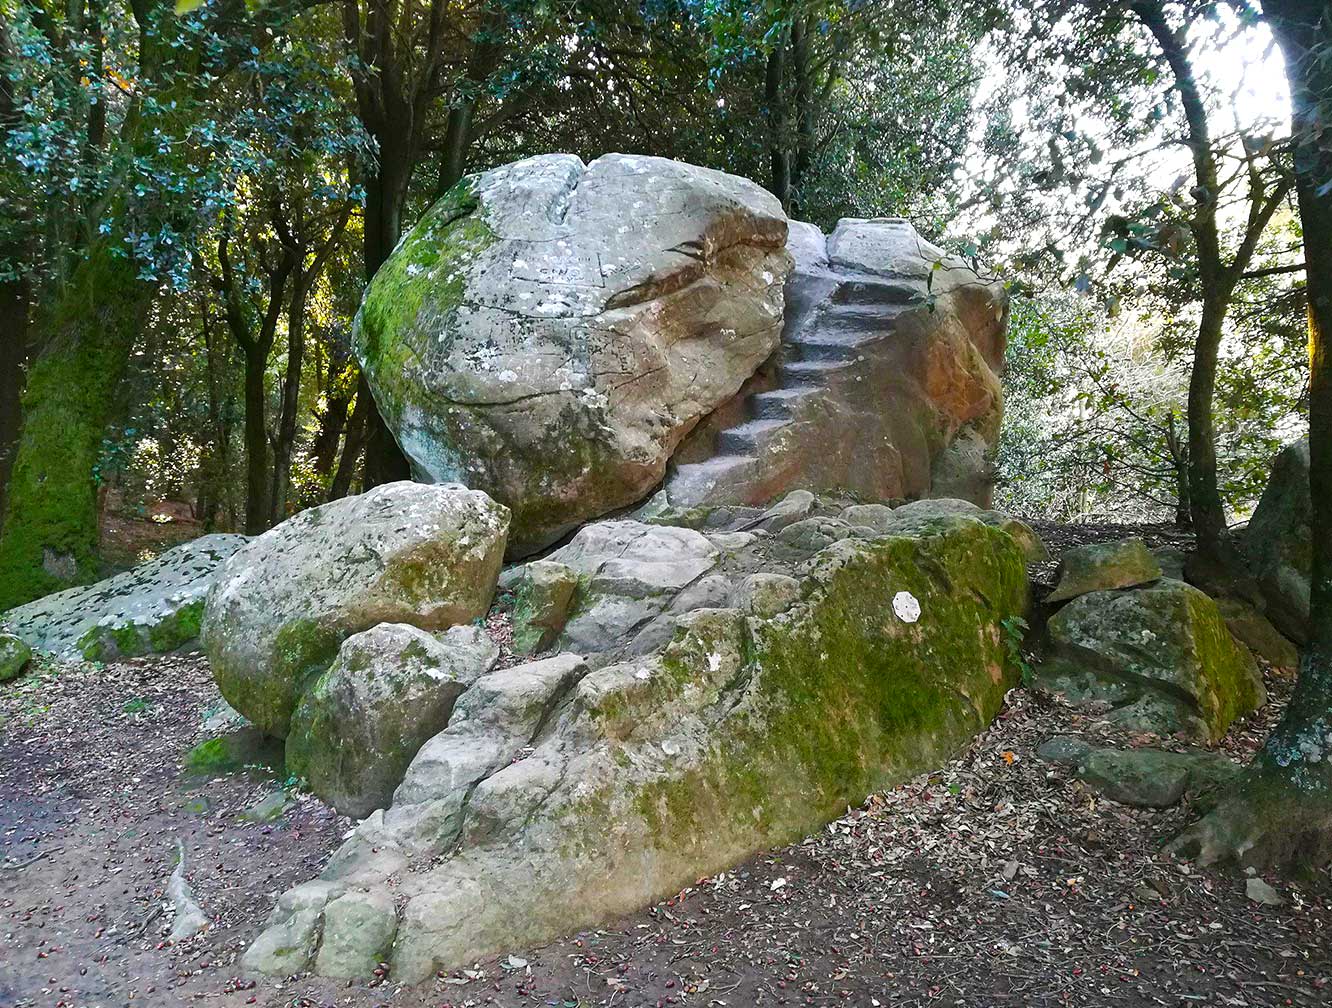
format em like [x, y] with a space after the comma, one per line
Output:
[668, 761]
[1279, 541]
[14, 656]
[155, 607]
[357, 727]
[549, 331]
[428, 556]
[543, 599]
[1167, 649]
[1102, 566]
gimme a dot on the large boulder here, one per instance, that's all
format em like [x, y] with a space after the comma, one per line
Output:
[572, 789]
[155, 607]
[1161, 655]
[1279, 541]
[428, 556]
[14, 656]
[886, 382]
[551, 330]
[1102, 566]
[390, 689]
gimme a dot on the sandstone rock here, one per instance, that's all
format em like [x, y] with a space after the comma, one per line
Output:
[1257, 633]
[390, 689]
[544, 595]
[1144, 778]
[572, 789]
[1167, 648]
[14, 656]
[357, 935]
[550, 330]
[402, 553]
[631, 572]
[1279, 541]
[1100, 566]
[766, 595]
[886, 383]
[154, 607]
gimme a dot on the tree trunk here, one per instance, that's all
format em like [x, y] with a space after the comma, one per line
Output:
[354, 443]
[1206, 510]
[332, 423]
[804, 113]
[285, 442]
[13, 359]
[774, 109]
[1281, 814]
[256, 440]
[50, 534]
[386, 192]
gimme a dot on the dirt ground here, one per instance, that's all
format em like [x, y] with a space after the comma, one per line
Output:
[996, 881]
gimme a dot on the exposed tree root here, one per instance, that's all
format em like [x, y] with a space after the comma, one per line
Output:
[1264, 825]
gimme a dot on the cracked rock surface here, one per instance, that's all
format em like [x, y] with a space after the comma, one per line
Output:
[551, 330]
[713, 692]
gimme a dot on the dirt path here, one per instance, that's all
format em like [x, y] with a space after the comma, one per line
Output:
[994, 882]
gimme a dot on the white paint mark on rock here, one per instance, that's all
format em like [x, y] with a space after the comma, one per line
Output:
[906, 606]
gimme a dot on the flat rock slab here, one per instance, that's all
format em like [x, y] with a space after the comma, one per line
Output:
[1102, 566]
[154, 607]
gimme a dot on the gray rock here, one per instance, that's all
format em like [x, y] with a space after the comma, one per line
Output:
[14, 656]
[270, 808]
[405, 552]
[1064, 750]
[545, 593]
[1279, 541]
[392, 687]
[794, 507]
[1167, 646]
[1260, 892]
[550, 330]
[289, 939]
[1102, 566]
[767, 595]
[154, 607]
[630, 573]
[564, 792]
[357, 935]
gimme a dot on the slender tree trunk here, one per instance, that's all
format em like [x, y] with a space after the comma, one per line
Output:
[1281, 815]
[774, 109]
[332, 423]
[285, 442]
[1206, 510]
[353, 445]
[386, 193]
[13, 359]
[50, 527]
[804, 113]
[256, 439]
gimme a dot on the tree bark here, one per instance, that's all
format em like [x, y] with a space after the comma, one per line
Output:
[1281, 815]
[50, 527]
[354, 443]
[774, 109]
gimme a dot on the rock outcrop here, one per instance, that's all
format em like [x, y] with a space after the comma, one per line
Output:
[1279, 541]
[1160, 656]
[1104, 566]
[714, 692]
[14, 656]
[886, 383]
[550, 330]
[404, 552]
[390, 689]
[153, 608]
